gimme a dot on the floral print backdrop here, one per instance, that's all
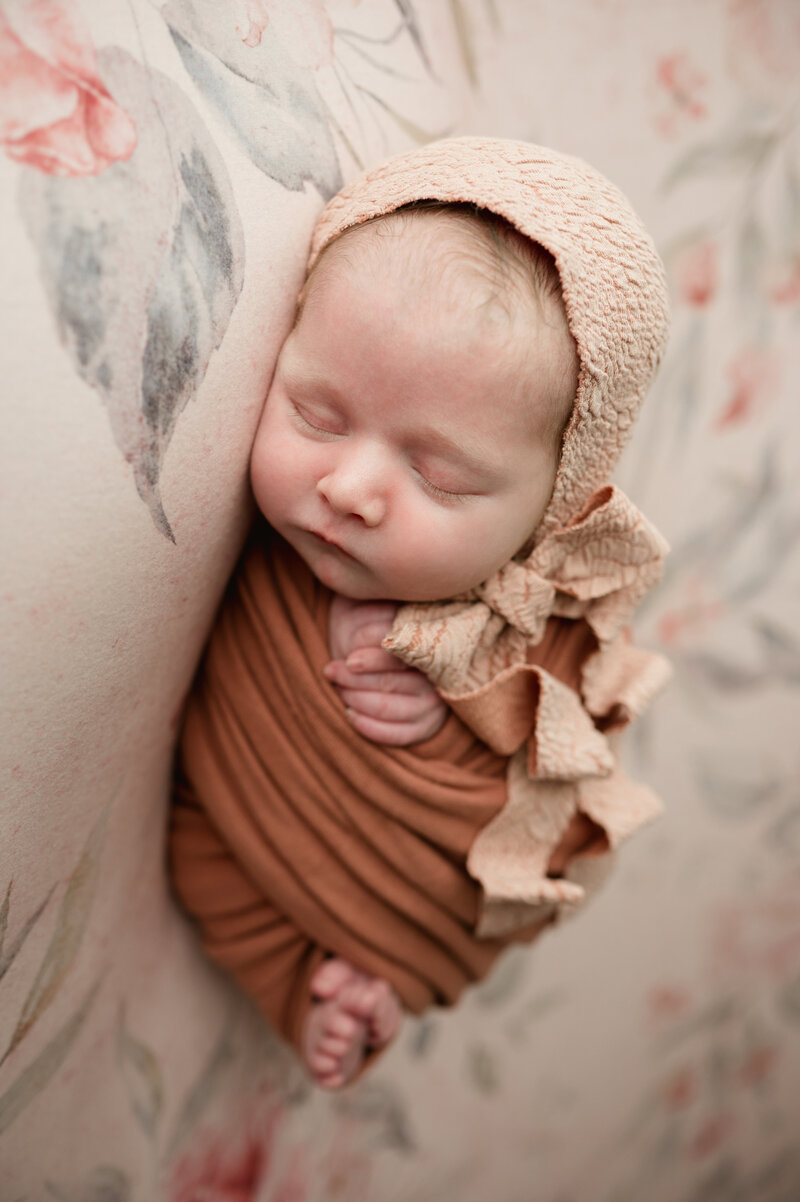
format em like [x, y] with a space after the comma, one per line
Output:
[651, 1048]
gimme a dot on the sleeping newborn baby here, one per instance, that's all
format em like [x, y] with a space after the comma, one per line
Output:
[478, 325]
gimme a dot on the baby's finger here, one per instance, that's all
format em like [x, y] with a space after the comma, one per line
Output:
[411, 683]
[375, 659]
[398, 734]
[390, 707]
[369, 634]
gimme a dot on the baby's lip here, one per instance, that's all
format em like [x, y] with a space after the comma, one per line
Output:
[325, 538]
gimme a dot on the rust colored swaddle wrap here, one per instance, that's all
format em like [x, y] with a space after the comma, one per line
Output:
[292, 836]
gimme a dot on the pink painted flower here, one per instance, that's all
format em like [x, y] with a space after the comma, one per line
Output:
[697, 273]
[754, 376]
[235, 1166]
[303, 28]
[55, 112]
[763, 45]
[711, 1135]
[758, 939]
[697, 610]
[758, 1065]
[783, 282]
[680, 1090]
[680, 87]
[668, 1002]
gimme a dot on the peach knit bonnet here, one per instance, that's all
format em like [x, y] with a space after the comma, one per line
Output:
[593, 555]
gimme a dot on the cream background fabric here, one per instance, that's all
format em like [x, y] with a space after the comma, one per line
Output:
[649, 1049]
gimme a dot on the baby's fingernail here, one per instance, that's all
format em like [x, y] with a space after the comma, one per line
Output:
[354, 662]
[328, 671]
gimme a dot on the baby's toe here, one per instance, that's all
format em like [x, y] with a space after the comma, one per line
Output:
[385, 1018]
[332, 976]
[323, 1064]
[337, 1045]
[341, 1025]
[358, 997]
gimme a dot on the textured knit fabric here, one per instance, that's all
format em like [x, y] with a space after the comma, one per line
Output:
[611, 276]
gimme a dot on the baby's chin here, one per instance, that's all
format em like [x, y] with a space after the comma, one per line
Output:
[354, 580]
[364, 588]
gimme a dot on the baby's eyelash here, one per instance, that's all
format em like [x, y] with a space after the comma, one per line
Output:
[442, 493]
[307, 425]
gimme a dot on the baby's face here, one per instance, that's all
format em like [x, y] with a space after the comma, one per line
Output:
[400, 451]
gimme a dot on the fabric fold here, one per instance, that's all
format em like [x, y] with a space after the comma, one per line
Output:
[291, 833]
[479, 651]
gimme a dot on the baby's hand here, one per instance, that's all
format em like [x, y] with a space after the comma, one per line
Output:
[386, 701]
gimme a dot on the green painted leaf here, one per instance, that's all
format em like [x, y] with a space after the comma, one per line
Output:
[4, 917]
[346, 141]
[493, 13]
[687, 238]
[73, 917]
[464, 38]
[33, 1079]
[7, 958]
[482, 1068]
[414, 131]
[143, 1078]
[751, 256]
[506, 979]
[205, 1086]
[738, 147]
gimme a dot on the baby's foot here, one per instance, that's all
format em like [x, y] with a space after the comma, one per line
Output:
[352, 1014]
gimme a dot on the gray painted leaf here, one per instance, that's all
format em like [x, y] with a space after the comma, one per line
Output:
[709, 545]
[421, 1036]
[722, 673]
[271, 104]
[731, 786]
[33, 1079]
[106, 1183]
[71, 922]
[143, 265]
[506, 979]
[482, 1069]
[143, 1078]
[415, 33]
[785, 833]
[380, 1107]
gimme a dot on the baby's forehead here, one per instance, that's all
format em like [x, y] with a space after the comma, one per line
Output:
[454, 255]
[410, 241]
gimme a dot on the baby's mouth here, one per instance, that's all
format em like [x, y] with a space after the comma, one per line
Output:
[331, 542]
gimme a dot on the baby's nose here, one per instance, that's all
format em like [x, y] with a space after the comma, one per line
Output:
[356, 488]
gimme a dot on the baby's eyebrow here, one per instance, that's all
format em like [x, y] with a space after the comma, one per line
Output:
[296, 377]
[430, 438]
